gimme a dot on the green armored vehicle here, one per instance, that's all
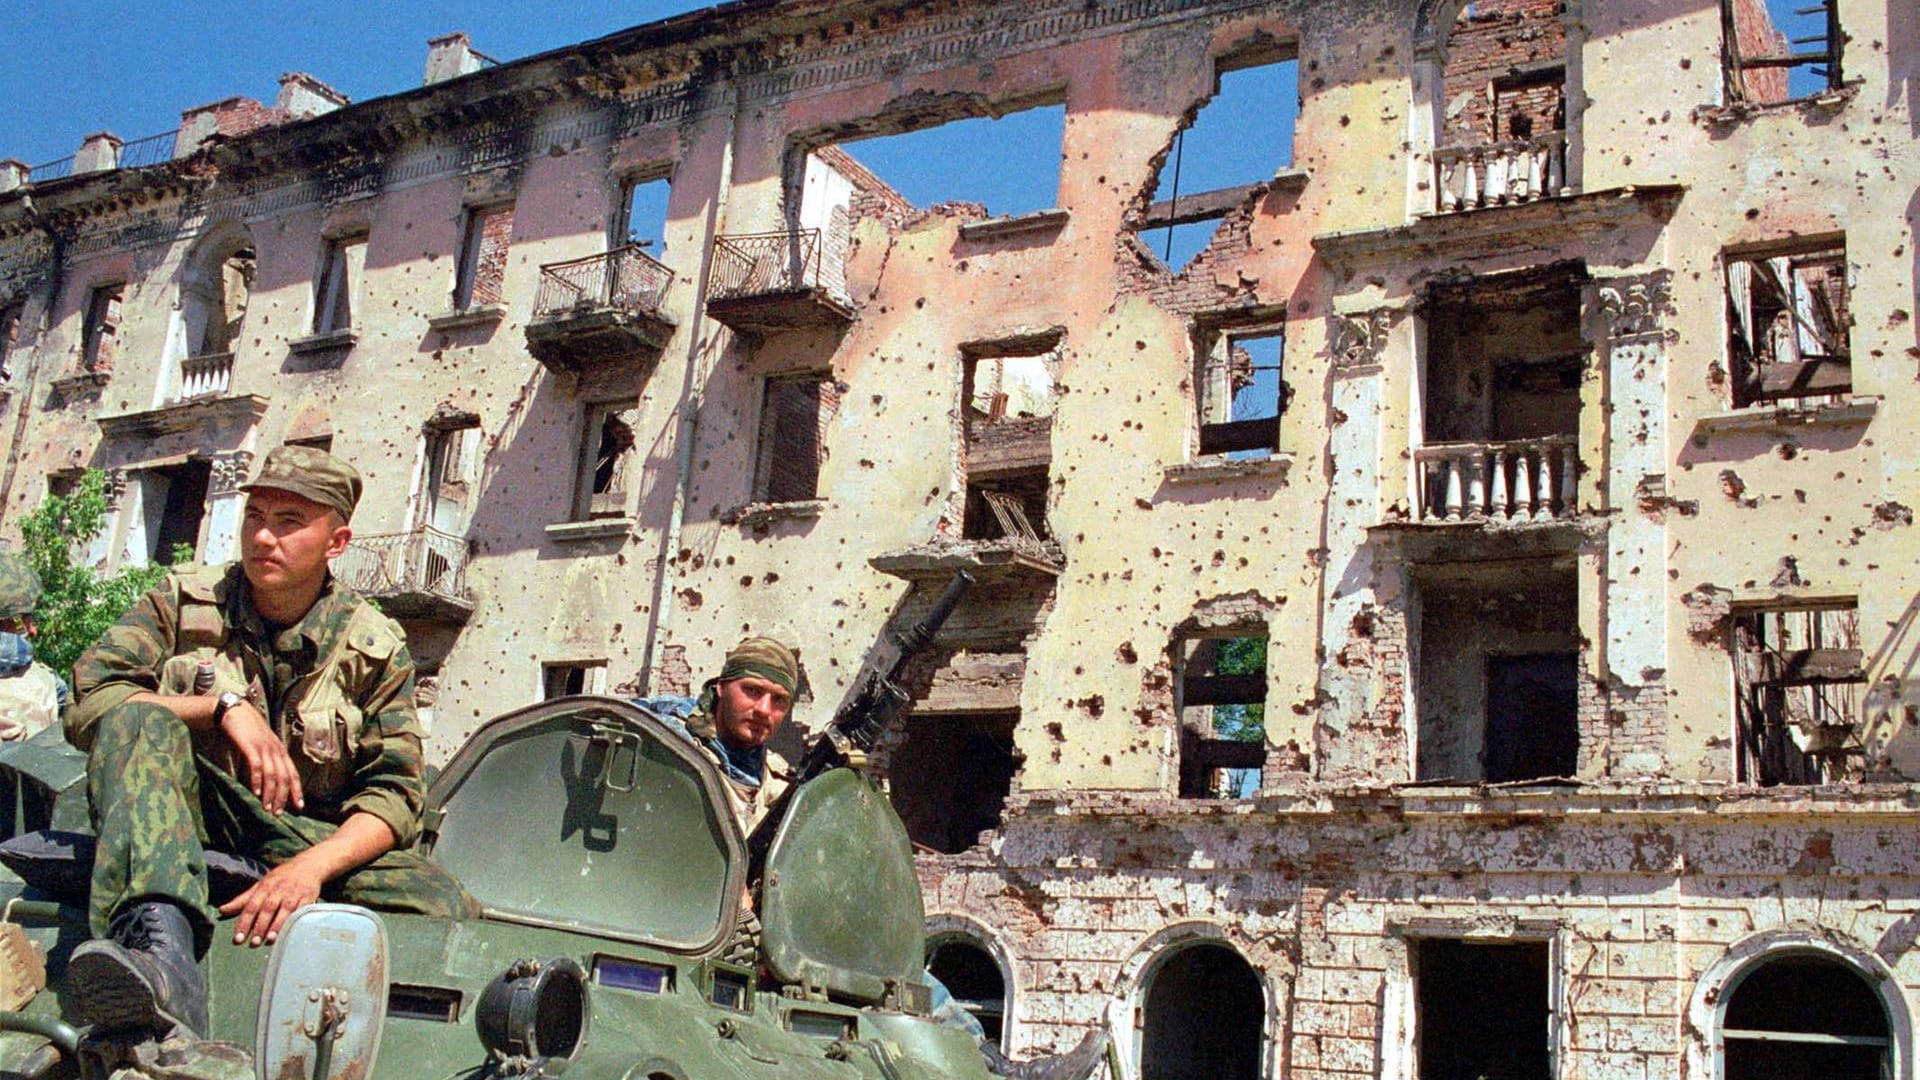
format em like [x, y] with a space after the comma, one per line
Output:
[612, 877]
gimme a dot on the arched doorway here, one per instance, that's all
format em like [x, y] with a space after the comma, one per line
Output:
[1202, 1016]
[974, 979]
[1804, 1016]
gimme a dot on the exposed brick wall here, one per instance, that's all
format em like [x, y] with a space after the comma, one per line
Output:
[1754, 34]
[493, 232]
[1490, 42]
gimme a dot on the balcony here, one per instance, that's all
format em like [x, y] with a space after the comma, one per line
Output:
[205, 376]
[1499, 174]
[598, 309]
[764, 283]
[1499, 483]
[415, 575]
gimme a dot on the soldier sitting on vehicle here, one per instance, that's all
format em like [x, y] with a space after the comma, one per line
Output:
[737, 713]
[261, 709]
[32, 697]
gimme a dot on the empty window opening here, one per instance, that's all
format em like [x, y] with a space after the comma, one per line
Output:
[950, 777]
[643, 216]
[1805, 1017]
[342, 264]
[566, 678]
[1505, 77]
[1242, 136]
[1012, 165]
[10, 316]
[1797, 681]
[1787, 320]
[1497, 673]
[100, 334]
[1485, 1010]
[1533, 706]
[975, 980]
[174, 502]
[1223, 735]
[214, 297]
[452, 459]
[1501, 404]
[794, 416]
[1241, 394]
[607, 452]
[1010, 393]
[483, 257]
[1780, 50]
[1202, 1017]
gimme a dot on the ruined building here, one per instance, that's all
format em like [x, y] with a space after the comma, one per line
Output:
[1458, 621]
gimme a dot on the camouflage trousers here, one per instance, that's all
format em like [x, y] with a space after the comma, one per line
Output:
[157, 807]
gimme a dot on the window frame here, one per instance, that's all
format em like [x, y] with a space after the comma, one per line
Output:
[13, 315]
[100, 323]
[1814, 666]
[1212, 363]
[1734, 67]
[1741, 351]
[593, 676]
[343, 261]
[467, 270]
[1203, 756]
[593, 417]
[767, 440]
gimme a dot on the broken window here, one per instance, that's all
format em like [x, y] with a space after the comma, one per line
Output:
[794, 415]
[607, 450]
[975, 980]
[100, 333]
[1240, 393]
[570, 677]
[171, 505]
[483, 257]
[452, 455]
[1501, 402]
[1780, 50]
[214, 300]
[10, 315]
[1483, 1009]
[1787, 320]
[643, 216]
[1010, 389]
[1805, 1016]
[1013, 165]
[1203, 1017]
[1497, 674]
[334, 297]
[1797, 679]
[950, 777]
[1502, 129]
[1223, 693]
[1241, 137]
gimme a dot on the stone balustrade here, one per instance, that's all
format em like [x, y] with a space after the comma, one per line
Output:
[1504, 482]
[205, 376]
[1498, 174]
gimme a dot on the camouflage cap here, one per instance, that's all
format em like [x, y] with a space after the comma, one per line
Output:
[19, 585]
[312, 474]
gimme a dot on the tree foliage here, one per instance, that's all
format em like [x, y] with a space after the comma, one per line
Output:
[1240, 656]
[77, 602]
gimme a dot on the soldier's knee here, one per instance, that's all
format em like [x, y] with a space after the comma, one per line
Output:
[140, 725]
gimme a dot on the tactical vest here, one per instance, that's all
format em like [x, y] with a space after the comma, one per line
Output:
[320, 716]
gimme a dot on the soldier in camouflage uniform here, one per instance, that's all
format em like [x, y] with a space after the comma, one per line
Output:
[261, 709]
[32, 697]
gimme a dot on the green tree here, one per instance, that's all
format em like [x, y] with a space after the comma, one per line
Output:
[1240, 656]
[77, 602]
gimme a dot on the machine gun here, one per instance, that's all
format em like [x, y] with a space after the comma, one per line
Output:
[880, 700]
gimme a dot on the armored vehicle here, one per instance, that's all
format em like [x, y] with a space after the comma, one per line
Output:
[612, 878]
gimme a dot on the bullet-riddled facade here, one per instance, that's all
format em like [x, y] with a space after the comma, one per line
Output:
[1457, 623]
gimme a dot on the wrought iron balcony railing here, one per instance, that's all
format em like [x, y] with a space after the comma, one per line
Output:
[1503, 482]
[423, 565]
[626, 278]
[751, 264]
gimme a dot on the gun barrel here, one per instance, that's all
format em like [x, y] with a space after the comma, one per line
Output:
[916, 637]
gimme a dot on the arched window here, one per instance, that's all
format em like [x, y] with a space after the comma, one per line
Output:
[1804, 1016]
[1202, 1016]
[214, 290]
[975, 980]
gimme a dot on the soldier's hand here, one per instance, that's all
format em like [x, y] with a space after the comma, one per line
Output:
[265, 907]
[270, 770]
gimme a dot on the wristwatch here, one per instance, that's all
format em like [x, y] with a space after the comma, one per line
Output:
[224, 702]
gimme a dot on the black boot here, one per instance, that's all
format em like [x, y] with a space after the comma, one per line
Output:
[144, 975]
[1076, 1064]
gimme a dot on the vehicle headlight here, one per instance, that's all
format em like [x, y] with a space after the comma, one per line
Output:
[536, 1009]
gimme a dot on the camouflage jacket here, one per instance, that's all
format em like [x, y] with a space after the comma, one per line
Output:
[337, 686]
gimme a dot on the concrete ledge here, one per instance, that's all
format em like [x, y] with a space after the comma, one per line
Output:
[765, 513]
[332, 339]
[1000, 228]
[1858, 409]
[1276, 466]
[483, 315]
[597, 529]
